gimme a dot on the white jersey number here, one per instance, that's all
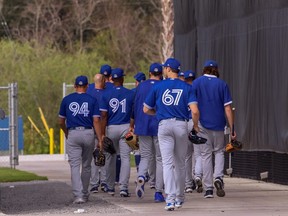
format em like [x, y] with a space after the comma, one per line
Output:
[77, 109]
[114, 103]
[171, 97]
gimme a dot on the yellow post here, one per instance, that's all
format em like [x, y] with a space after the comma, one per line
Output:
[51, 146]
[35, 127]
[44, 120]
[61, 142]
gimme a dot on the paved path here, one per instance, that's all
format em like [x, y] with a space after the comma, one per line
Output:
[243, 196]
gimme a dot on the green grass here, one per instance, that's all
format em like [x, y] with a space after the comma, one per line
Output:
[14, 175]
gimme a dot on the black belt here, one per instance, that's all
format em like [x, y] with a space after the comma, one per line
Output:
[79, 128]
[179, 119]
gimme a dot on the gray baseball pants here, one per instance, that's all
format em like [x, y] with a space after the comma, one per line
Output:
[80, 145]
[149, 149]
[173, 140]
[117, 133]
[215, 145]
[189, 160]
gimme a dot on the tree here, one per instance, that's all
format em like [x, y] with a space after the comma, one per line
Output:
[168, 28]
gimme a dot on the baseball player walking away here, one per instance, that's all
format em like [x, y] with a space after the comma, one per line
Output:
[214, 102]
[98, 174]
[116, 107]
[79, 114]
[146, 127]
[139, 77]
[190, 160]
[169, 100]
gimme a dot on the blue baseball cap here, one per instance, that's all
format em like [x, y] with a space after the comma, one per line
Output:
[105, 70]
[172, 63]
[180, 73]
[81, 81]
[210, 63]
[155, 68]
[189, 74]
[140, 76]
[117, 73]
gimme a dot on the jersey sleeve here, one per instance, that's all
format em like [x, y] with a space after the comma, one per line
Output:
[103, 104]
[96, 110]
[62, 111]
[150, 100]
[192, 95]
[227, 95]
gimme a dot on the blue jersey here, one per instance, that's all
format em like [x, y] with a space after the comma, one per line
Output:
[171, 98]
[108, 85]
[96, 93]
[213, 95]
[118, 102]
[90, 88]
[79, 110]
[145, 125]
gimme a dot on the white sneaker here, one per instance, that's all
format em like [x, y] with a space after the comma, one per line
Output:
[170, 207]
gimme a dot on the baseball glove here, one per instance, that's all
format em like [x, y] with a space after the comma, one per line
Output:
[132, 140]
[234, 145]
[108, 145]
[99, 157]
[196, 139]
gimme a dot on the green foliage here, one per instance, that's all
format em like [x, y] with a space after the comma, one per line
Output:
[14, 175]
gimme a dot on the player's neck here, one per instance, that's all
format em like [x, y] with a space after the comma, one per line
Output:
[172, 75]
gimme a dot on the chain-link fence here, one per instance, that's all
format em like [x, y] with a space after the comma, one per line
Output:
[9, 133]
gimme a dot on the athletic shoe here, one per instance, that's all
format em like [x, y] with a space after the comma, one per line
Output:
[219, 184]
[178, 204]
[170, 207]
[199, 186]
[124, 193]
[94, 189]
[79, 200]
[188, 190]
[111, 191]
[209, 194]
[152, 186]
[147, 177]
[193, 185]
[140, 187]
[158, 197]
[104, 187]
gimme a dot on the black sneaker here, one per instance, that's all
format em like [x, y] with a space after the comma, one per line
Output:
[124, 193]
[199, 186]
[219, 185]
[209, 194]
[188, 190]
[193, 184]
[94, 190]
[104, 187]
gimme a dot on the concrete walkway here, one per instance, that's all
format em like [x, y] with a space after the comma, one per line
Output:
[243, 196]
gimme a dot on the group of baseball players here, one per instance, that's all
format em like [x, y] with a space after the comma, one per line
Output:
[161, 111]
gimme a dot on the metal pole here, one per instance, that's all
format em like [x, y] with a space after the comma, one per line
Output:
[62, 134]
[13, 125]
